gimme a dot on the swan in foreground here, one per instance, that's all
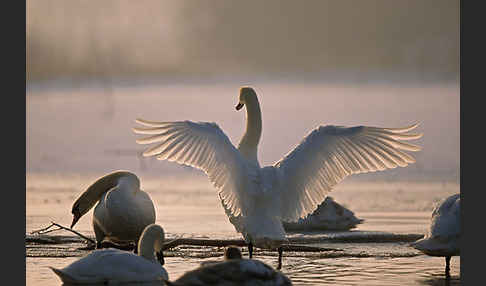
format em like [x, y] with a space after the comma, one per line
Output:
[230, 252]
[261, 198]
[123, 210]
[113, 265]
[233, 271]
[445, 231]
[328, 216]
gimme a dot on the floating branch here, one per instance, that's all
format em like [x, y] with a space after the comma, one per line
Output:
[50, 229]
[238, 242]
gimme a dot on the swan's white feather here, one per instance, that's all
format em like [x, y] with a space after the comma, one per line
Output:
[111, 265]
[443, 238]
[204, 146]
[257, 199]
[234, 272]
[331, 153]
[114, 265]
[123, 211]
[122, 214]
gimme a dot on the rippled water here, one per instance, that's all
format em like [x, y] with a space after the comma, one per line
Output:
[193, 210]
[76, 135]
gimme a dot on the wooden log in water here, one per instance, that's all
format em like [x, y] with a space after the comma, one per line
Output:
[238, 242]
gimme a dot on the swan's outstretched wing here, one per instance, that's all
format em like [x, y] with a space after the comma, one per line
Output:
[204, 146]
[329, 154]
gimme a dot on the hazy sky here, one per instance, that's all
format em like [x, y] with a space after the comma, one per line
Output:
[173, 38]
[248, 42]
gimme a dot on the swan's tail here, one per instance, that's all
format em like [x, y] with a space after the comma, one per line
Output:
[434, 246]
[66, 278]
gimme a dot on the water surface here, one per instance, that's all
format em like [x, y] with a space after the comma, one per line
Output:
[75, 135]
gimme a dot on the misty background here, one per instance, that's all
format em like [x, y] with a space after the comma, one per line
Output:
[414, 39]
[95, 66]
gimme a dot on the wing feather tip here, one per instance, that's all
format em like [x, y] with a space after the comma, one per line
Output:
[403, 129]
[146, 154]
[141, 141]
[140, 120]
[411, 127]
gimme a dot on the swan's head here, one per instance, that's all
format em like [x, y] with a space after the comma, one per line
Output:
[232, 252]
[81, 206]
[246, 94]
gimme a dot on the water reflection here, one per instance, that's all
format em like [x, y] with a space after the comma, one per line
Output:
[440, 279]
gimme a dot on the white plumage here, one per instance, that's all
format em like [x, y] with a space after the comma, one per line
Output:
[114, 265]
[257, 199]
[444, 232]
[122, 211]
[233, 271]
[329, 215]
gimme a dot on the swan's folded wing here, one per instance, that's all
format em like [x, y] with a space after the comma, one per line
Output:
[331, 153]
[201, 145]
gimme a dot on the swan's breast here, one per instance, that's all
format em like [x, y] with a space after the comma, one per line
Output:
[269, 179]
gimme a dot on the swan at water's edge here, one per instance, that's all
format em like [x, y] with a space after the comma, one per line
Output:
[122, 212]
[259, 199]
[444, 232]
[114, 265]
[233, 271]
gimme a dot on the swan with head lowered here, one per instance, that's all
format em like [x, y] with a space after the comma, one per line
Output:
[443, 238]
[122, 209]
[258, 199]
[114, 266]
[233, 271]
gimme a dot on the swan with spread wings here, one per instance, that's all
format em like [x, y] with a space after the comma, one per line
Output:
[257, 199]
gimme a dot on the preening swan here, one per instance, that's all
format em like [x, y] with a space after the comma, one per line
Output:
[114, 265]
[123, 210]
[233, 271]
[231, 252]
[260, 198]
[445, 231]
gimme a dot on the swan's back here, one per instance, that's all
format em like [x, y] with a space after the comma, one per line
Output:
[124, 213]
[329, 215]
[234, 272]
[446, 218]
[111, 265]
[445, 229]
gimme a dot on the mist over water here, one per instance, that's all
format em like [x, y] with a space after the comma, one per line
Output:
[89, 129]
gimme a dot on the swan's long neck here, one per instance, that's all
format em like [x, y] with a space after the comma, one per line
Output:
[146, 247]
[94, 192]
[151, 240]
[248, 146]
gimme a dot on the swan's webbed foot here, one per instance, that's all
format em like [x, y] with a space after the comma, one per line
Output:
[280, 252]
